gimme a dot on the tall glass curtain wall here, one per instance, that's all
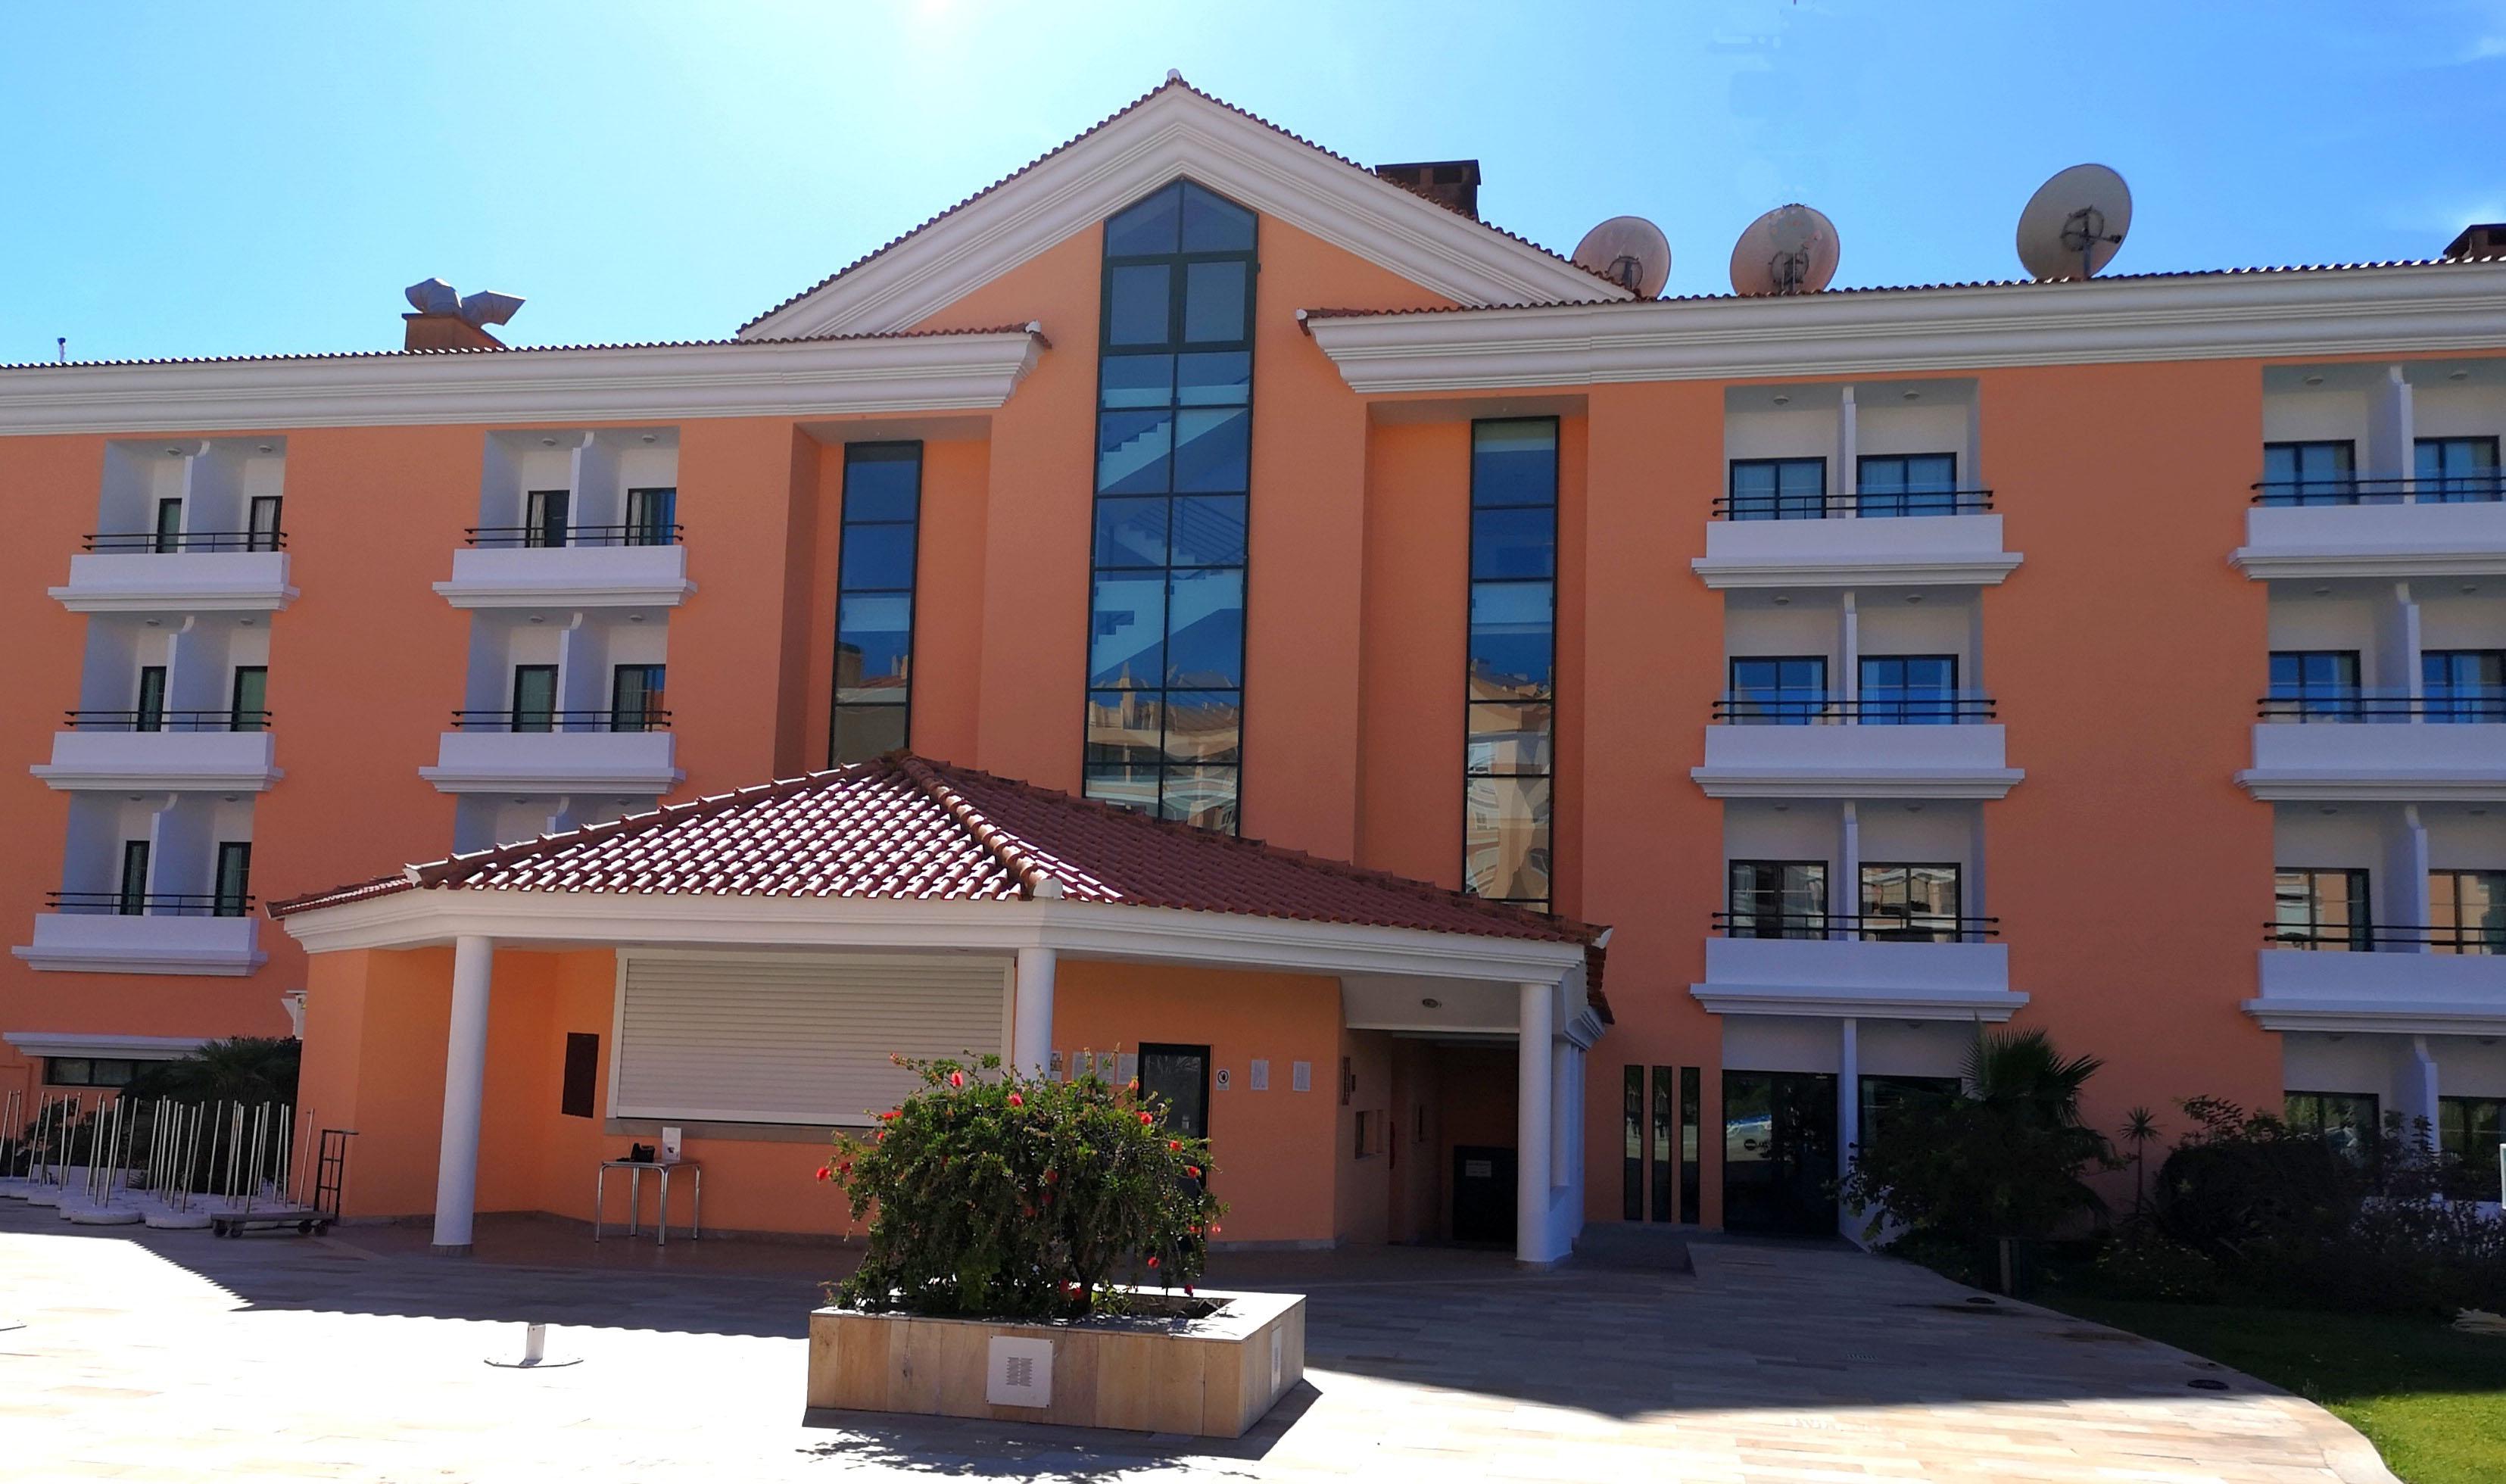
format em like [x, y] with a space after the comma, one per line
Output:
[882, 515]
[1165, 651]
[1511, 698]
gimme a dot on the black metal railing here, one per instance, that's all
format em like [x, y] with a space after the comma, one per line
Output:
[161, 721]
[187, 541]
[633, 534]
[1797, 709]
[603, 719]
[1867, 505]
[153, 904]
[2461, 938]
[2457, 704]
[1864, 926]
[2425, 489]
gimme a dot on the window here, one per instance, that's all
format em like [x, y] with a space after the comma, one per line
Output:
[133, 897]
[2309, 473]
[882, 519]
[1910, 903]
[1631, 1179]
[1510, 697]
[2314, 685]
[2453, 470]
[1777, 899]
[1691, 1159]
[2463, 684]
[652, 517]
[1910, 690]
[149, 716]
[169, 525]
[1665, 1129]
[1177, 1078]
[543, 517]
[234, 879]
[637, 698]
[1779, 488]
[582, 1075]
[2467, 912]
[251, 699]
[2321, 910]
[1884, 1098]
[534, 698]
[1166, 656]
[1905, 484]
[2348, 1120]
[261, 527]
[1777, 690]
[2470, 1128]
[88, 1071]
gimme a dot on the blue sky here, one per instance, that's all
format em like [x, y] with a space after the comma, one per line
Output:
[199, 180]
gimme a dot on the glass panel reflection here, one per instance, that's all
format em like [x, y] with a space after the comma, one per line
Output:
[1505, 838]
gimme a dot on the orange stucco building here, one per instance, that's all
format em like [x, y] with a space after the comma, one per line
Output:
[2117, 657]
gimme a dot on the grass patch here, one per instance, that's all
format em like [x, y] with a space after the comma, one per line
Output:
[2430, 1398]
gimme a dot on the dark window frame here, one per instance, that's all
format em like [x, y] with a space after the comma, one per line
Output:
[2359, 935]
[263, 535]
[1208, 1110]
[1791, 706]
[547, 518]
[55, 1068]
[148, 707]
[1950, 926]
[2340, 489]
[2451, 699]
[1909, 502]
[1776, 505]
[231, 900]
[1910, 708]
[887, 451]
[242, 717]
[2481, 483]
[131, 887]
[653, 691]
[1757, 915]
[548, 718]
[2484, 938]
[2454, 1135]
[2340, 699]
[168, 535]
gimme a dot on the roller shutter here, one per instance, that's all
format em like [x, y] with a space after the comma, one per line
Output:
[795, 1038]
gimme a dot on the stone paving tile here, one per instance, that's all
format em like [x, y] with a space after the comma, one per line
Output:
[176, 1356]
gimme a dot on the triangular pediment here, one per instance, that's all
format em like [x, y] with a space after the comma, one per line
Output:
[1177, 132]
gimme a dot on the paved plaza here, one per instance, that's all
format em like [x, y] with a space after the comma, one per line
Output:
[148, 1356]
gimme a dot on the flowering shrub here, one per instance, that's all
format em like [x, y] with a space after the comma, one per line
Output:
[995, 1195]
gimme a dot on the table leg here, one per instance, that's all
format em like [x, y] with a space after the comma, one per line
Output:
[635, 1202]
[696, 1205]
[662, 1212]
[599, 1188]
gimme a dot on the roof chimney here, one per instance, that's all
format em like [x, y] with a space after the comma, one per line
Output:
[2482, 240]
[446, 320]
[1451, 183]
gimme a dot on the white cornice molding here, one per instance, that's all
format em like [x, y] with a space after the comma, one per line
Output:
[1855, 784]
[1171, 135]
[528, 594]
[432, 916]
[2397, 787]
[555, 782]
[73, 779]
[1991, 1006]
[924, 373]
[2379, 1017]
[2266, 565]
[1876, 574]
[94, 960]
[2330, 311]
[133, 1048]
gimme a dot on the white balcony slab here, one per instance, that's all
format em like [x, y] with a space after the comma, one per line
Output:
[581, 576]
[1851, 977]
[2385, 540]
[115, 1046]
[105, 943]
[178, 582]
[1856, 762]
[1905, 550]
[2402, 761]
[2410, 994]
[624, 763]
[187, 762]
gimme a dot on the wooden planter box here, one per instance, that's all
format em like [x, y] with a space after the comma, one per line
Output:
[1212, 1377]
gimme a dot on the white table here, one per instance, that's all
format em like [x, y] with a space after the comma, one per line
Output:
[635, 1197]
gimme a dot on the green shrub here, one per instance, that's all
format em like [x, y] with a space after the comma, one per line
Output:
[999, 1195]
[2144, 1262]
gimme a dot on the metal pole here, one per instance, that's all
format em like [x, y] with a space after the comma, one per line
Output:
[260, 1132]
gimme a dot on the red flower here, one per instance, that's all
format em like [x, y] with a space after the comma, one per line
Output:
[1147, 1118]
[956, 1079]
[1152, 1262]
[1193, 1170]
[1016, 1101]
[880, 1137]
[847, 1168]
[1026, 1210]
[1214, 1228]
[1187, 1290]
[890, 1115]
[822, 1171]
[1052, 1176]
[1133, 1086]
[1174, 1143]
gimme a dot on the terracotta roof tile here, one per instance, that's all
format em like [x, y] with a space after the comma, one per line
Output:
[903, 827]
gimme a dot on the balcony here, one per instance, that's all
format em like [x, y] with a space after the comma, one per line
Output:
[162, 750]
[185, 572]
[1892, 967]
[1785, 745]
[2367, 744]
[2376, 527]
[627, 752]
[599, 566]
[1890, 540]
[104, 932]
[2441, 981]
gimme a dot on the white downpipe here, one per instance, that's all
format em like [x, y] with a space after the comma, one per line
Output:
[1535, 1113]
[465, 1083]
[2423, 1089]
[1031, 1017]
[1848, 1110]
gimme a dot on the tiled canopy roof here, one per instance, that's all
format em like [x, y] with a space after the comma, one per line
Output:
[905, 828]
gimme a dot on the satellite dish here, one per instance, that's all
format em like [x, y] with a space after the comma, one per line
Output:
[1790, 250]
[2075, 223]
[1629, 251]
[488, 307]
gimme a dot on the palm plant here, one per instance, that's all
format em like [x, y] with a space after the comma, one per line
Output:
[243, 1069]
[2020, 1072]
[2139, 1130]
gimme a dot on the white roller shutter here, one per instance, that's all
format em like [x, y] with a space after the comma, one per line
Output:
[795, 1038]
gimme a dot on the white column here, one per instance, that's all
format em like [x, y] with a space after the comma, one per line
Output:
[1848, 468]
[1849, 1105]
[1849, 679]
[2404, 903]
[465, 1081]
[1534, 1112]
[1032, 1028]
[1845, 892]
[2422, 1090]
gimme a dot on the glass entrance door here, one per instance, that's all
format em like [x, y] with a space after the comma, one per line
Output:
[1779, 1153]
[1180, 1076]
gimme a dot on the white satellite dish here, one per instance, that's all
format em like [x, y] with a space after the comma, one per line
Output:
[1629, 251]
[2075, 223]
[1790, 250]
